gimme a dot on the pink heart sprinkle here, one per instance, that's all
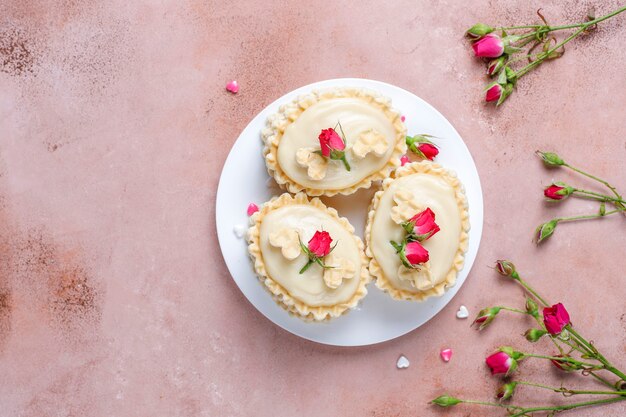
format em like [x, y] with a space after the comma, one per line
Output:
[233, 87]
[252, 208]
[403, 118]
[404, 160]
[446, 354]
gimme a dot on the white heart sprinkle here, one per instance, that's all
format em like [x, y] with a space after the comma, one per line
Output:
[403, 362]
[462, 313]
[240, 230]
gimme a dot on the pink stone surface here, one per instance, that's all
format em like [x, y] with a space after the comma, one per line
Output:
[114, 126]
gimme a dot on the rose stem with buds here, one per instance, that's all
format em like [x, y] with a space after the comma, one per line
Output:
[542, 30]
[590, 348]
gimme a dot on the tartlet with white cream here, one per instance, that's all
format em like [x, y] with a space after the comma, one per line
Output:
[283, 243]
[372, 133]
[417, 188]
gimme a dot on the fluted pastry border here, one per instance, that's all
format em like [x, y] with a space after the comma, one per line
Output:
[289, 112]
[424, 167]
[279, 293]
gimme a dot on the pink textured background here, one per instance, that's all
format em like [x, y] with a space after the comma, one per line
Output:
[114, 125]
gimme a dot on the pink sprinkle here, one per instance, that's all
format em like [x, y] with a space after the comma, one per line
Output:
[446, 354]
[403, 118]
[252, 208]
[233, 87]
[404, 160]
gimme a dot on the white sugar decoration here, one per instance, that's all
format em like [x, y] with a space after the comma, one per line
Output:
[462, 313]
[240, 230]
[403, 362]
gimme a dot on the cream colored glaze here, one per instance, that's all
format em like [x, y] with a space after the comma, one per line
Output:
[308, 287]
[429, 191]
[356, 116]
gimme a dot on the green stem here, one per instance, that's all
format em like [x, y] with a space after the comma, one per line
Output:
[569, 391]
[604, 197]
[600, 180]
[308, 264]
[589, 216]
[492, 404]
[515, 310]
[532, 291]
[607, 365]
[548, 29]
[525, 411]
[601, 379]
[519, 74]
[560, 359]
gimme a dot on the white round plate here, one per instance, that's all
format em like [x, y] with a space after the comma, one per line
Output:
[378, 318]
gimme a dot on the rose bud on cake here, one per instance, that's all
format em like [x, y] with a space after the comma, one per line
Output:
[333, 146]
[422, 226]
[416, 254]
[316, 250]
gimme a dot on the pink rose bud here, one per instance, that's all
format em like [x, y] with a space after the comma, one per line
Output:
[415, 253]
[319, 245]
[555, 318]
[423, 224]
[558, 191]
[501, 363]
[494, 93]
[506, 391]
[404, 160]
[330, 141]
[507, 269]
[495, 65]
[485, 317]
[429, 151]
[489, 46]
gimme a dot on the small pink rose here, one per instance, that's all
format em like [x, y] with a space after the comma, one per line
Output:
[489, 46]
[429, 150]
[233, 87]
[500, 363]
[319, 245]
[494, 93]
[424, 225]
[330, 141]
[415, 253]
[555, 318]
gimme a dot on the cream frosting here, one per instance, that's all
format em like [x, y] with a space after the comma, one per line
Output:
[373, 131]
[318, 293]
[356, 117]
[417, 186]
